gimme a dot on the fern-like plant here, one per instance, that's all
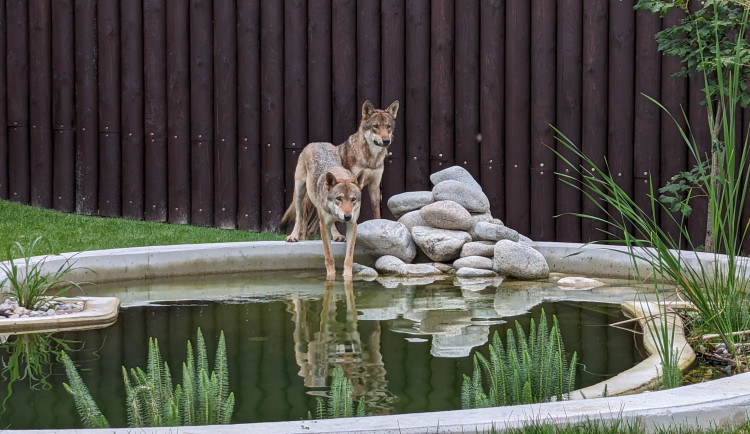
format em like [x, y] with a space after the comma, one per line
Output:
[338, 402]
[202, 399]
[525, 370]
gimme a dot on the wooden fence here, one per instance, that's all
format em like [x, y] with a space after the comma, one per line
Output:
[195, 111]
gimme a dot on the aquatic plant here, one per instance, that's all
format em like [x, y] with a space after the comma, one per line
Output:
[717, 285]
[526, 370]
[203, 398]
[338, 402]
[31, 286]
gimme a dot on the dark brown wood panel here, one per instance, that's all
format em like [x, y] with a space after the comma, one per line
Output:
[467, 86]
[442, 98]
[87, 109]
[594, 105]
[108, 73]
[63, 105]
[491, 104]
[417, 117]
[517, 115]
[225, 109]
[195, 158]
[295, 88]
[544, 39]
[17, 55]
[40, 99]
[248, 115]
[346, 109]
[4, 161]
[273, 202]
[394, 88]
[155, 109]
[319, 66]
[131, 70]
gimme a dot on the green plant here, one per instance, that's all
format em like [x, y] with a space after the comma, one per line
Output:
[31, 286]
[338, 402]
[525, 370]
[202, 399]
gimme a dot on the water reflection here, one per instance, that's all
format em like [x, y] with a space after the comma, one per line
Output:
[325, 338]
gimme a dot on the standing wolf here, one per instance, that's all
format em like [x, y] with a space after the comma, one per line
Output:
[334, 192]
[363, 153]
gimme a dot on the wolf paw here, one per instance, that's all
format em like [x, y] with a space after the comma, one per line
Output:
[339, 238]
[292, 239]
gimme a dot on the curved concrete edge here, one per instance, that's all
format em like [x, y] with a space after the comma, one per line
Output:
[719, 403]
[644, 376]
[99, 266]
[99, 312]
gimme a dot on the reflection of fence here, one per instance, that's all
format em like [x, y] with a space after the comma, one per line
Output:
[195, 111]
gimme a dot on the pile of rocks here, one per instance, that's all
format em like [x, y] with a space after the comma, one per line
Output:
[448, 230]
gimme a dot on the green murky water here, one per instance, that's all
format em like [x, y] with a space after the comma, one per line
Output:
[405, 348]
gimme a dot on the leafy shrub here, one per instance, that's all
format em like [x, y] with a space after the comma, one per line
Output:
[338, 402]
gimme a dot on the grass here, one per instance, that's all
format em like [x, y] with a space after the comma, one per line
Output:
[64, 232]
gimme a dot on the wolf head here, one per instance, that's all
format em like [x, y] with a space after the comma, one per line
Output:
[344, 196]
[378, 125]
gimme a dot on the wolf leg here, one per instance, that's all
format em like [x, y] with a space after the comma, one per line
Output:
[330, 264]
[300, 191]
[335, 234]
[351, 239]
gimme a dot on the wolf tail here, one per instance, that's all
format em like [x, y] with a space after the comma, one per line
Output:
[309, 217]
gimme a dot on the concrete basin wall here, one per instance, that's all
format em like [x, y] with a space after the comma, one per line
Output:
[718, 403]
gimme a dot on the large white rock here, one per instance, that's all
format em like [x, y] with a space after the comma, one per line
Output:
[411, 219]
[493, 232]
[478, 248]
[380, 237]
[439, 245]
[473, 262]
[519, 261]
[402, 203]
[446, 214]
[466, 195]
[456, 173]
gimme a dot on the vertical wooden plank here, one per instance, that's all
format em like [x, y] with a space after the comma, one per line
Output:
[225, 138]
[4, 161]
[319, 71]
[517, 114]
[467, 86]
[491, 103]
[18, 99]
[181, 56]
[272, 114]
[569, 111]
[417, 115]
[393, 46]
[647, 114]
[108, 74]
[621, 95]
[295, 88]
[368, 69]
[155, 109]
[442, 112]
[63, 105]
[248, 114]
[673, 98]
[346, 109]
[543, 70]
[594, 105]
[698, 121]
[198, 158]
[368, 52]
[131, 69]
[87, 109]
[40, 98]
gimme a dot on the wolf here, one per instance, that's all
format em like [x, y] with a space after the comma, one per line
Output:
[335, 194]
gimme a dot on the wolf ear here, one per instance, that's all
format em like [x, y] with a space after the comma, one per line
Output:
[360, 179]
[330, 180]
[393, 109]
[367, 110]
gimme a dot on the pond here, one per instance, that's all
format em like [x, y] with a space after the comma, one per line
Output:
[404, 347]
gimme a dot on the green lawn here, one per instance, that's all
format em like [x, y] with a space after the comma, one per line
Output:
[63, 232]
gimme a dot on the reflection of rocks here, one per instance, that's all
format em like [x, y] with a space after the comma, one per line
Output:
[460, 345]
